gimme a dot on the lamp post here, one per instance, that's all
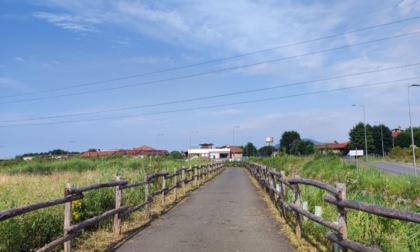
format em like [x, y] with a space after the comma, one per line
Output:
[364, 123]
[194, 131]
[208, 140]
[382, 139]
[411, 127]
[233, 134]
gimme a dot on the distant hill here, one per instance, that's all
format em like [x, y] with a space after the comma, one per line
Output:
[277, 146]
[313, 141]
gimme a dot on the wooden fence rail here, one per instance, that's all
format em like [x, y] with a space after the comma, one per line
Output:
[268, 178]
[71, 194]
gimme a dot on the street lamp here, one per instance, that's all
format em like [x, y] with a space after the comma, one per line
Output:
[411, 127]
[382, 139]
[364, 123]
[194, 131]
[233, 134]
[208, 140]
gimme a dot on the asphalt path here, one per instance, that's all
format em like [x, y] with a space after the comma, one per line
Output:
[392, 168]
[226, 214]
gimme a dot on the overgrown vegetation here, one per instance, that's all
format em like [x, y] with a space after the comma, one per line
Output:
[23, 183]
[363, 184]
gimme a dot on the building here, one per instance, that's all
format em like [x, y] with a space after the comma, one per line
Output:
[145, 150]
[219, 153]
[235, 152]
[142, 151]
[337, 148]
[395, 132]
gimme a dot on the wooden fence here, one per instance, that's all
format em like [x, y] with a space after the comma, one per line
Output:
[268, 178]
[195, 174]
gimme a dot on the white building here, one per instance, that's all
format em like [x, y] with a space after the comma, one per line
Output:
[207, 151]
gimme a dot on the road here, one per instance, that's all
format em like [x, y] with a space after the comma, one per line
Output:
[226, 214]
[393, 168]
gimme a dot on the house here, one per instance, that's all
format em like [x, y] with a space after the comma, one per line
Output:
[141, 151]
[395, 132]
[145, 150]
[235, 152]
[207, 151]
[337, 148]
[99, 153]
[220, 153]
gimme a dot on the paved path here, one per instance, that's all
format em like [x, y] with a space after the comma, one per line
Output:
[393, 168]
[226, 214]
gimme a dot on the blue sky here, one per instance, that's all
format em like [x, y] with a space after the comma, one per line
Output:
[119, 74]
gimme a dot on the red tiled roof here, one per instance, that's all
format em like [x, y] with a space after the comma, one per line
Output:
[145, 147]
[395, 133]
[233, 149]
[98, 153]
[334, 145]
[140, 151]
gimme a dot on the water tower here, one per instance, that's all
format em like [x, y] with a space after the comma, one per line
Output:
[269, 140]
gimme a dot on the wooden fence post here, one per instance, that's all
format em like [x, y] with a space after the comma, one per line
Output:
[175, 181]
[67, 218]
[342, 214]
[163, 188]
[118, 203]
[199, 173]
[146, 196]
[283, 194]
[274, 185]
[298, 202]
[195, 176]
[183, 178]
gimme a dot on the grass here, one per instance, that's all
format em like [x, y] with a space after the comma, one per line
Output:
[363, 184]
[23, 183]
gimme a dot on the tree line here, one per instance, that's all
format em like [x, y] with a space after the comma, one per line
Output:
[379, 141]
[379, 137]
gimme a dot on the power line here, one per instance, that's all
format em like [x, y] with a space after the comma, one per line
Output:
[216, 96]
[215, 71]
[216, 106]
[217, 60]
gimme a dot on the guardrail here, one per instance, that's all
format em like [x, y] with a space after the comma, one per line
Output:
[268, 178]
[197, 174]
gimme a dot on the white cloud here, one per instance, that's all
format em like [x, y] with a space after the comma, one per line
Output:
[19, 59]
[407, 6]
[147, 60]
[7, 82]
[69, 22]
[225, 112]
[13, 84]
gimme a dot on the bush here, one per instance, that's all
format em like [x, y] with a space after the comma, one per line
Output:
[366, 185]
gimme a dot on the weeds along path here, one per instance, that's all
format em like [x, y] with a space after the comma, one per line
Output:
[226, 214]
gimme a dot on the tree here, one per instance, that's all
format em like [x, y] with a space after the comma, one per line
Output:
[403, 140]
[176, 155]
[288, 141]
[305, 148]
[266, 151]
[57, 152]
[357, 138]
[249, 150]
[377, 138]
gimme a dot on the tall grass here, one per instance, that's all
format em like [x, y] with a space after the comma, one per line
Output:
[363, 184]
[25, 183]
